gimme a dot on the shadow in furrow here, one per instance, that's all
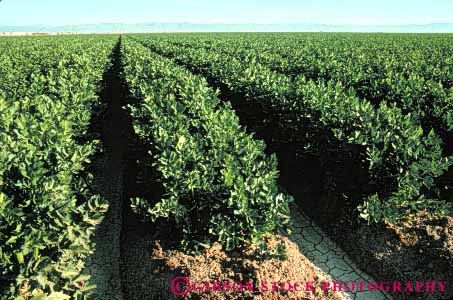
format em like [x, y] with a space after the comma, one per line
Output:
[121, 267]
[112, 169]
[137, 178]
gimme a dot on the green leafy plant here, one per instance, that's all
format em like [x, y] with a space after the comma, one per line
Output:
[48, 212]
[219, 184]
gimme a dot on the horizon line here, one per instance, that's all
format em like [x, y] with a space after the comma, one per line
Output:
[232, 23]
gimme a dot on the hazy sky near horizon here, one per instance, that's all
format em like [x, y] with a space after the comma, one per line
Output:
[386, 12]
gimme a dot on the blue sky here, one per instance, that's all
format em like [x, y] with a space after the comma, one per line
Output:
[391, 12]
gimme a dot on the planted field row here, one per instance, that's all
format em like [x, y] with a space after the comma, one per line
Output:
[48, 211]
[218, 183]
[404, 75]
[403, 160]
[428, 56]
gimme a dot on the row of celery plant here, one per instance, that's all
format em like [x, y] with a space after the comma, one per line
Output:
[48, 210]
[219, 184]
[376, 75]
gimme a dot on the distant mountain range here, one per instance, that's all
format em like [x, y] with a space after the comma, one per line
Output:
[218, 27]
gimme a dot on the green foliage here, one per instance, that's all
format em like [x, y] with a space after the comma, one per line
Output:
[48, 212]
[397, 144]
[392, 94]
[219, 184]
[413, 71]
